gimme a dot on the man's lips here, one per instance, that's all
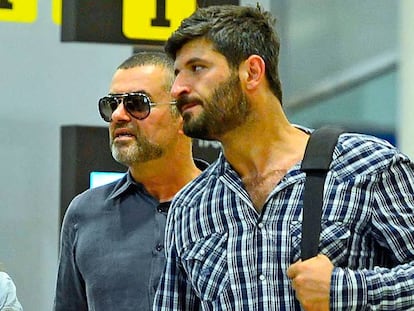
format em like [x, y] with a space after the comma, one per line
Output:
[123, 133]
[182, 107]
[187, 106]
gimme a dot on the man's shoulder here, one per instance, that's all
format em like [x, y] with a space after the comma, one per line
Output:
[357, 153]
[204, 182]
[97, 194]
[363, 145]
[5, 279]
[92, 200]
[7, 287]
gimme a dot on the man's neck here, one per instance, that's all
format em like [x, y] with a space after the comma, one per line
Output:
[164, 180]
[257, 155]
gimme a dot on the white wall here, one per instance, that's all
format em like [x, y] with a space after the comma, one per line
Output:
[406, 107]
[43, 84]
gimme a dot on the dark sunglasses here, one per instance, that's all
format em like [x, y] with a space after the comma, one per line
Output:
[137, 104]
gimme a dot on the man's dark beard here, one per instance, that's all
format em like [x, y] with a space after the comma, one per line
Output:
[225, 110]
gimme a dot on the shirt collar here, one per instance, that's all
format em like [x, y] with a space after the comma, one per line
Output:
[123, 184]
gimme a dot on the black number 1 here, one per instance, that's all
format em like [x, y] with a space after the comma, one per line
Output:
[160, 20]
[5, 4]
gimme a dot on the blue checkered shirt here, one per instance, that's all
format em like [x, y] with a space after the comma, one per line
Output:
[223, 255]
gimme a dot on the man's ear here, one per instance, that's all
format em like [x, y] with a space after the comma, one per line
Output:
[252, 72]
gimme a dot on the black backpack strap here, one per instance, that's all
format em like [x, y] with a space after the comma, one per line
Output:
[315, 164]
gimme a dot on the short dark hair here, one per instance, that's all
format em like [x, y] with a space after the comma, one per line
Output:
[236, 32]
[151, 58]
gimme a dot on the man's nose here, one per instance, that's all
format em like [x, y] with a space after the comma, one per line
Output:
[120, 114]
[180, 87]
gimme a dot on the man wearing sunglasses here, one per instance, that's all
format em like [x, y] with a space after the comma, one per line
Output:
[112, 237]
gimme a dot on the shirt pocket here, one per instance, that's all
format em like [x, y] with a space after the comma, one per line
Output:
[205, 263]
[333, 241]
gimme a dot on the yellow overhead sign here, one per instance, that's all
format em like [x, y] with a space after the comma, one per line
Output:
[145, 22]
[154, 20]
[22, 11]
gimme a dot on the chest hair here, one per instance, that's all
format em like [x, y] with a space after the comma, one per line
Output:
[259, 187]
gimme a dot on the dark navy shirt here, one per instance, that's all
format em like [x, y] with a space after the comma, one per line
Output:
[112, 249]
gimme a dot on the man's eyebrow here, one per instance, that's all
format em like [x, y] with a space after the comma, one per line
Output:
[190, 62]
[195, 60]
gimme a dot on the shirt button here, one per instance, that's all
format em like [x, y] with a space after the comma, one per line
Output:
[262, 277]
[159, 247]
[260, 225]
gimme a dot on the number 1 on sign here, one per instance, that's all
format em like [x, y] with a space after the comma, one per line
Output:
[160, 19]
[5, 4]
[154, 20]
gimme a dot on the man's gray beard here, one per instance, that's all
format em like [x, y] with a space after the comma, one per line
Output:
[137, 153]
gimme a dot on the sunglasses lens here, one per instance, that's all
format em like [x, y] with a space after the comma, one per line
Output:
[138, 105]
[107, 105]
